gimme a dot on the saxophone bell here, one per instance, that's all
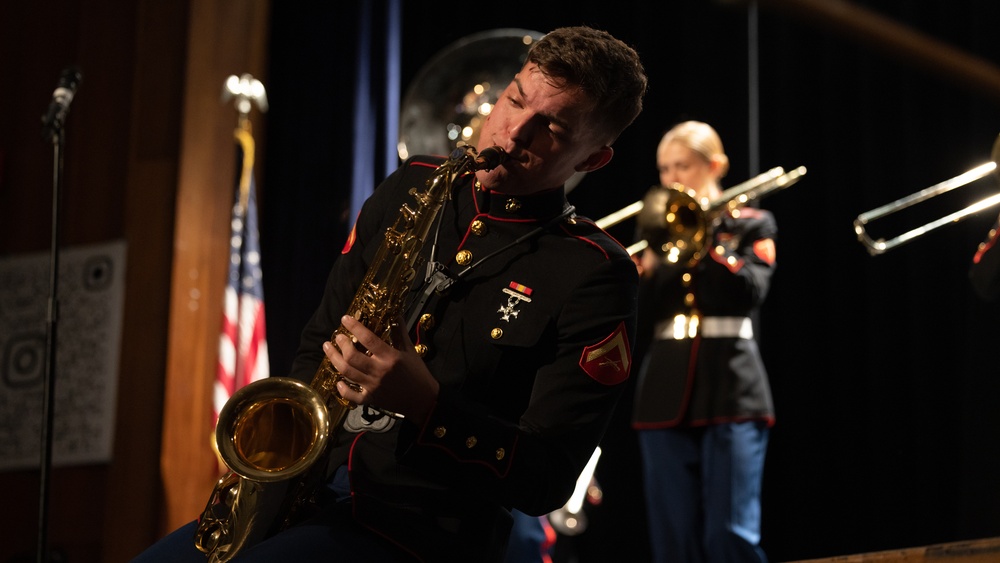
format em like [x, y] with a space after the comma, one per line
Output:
[269, 432]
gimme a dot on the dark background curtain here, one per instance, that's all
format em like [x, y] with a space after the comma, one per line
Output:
[883, 368]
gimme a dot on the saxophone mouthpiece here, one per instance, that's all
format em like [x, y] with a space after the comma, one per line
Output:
[490, 158]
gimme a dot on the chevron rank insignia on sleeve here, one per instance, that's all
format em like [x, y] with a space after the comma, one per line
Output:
[608, 361]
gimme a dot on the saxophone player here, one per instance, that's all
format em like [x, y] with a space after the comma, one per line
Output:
[504, 370]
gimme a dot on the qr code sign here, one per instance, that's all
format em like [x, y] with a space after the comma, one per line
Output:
[87, 336]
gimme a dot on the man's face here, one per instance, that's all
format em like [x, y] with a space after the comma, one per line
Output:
[546, 131]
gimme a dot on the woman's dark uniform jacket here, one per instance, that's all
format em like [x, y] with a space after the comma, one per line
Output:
[707, 380]
[532, 349]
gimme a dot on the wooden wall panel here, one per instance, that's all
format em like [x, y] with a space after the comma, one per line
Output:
[225, 38]
[149, 159]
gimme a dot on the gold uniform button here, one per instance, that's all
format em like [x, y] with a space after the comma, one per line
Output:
[427, 321]
[496, 333]
[420, 349]
[689, 299]
[470, 442]
[463, 257]
[440, 431]
[478, 228]
[501, 453]
[513, 205]
[686, 279]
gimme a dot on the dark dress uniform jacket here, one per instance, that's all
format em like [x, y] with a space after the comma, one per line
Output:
[532, 348]
[707, 380]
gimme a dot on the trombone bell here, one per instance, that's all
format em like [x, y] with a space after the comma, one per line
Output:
[675, 225]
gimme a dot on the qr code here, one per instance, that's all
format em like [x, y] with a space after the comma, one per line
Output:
[86, 332]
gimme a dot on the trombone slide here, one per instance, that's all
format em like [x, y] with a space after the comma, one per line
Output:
[881, 245]
[633, 209]
[622, 214]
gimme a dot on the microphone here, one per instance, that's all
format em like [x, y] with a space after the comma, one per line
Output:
[69, 81]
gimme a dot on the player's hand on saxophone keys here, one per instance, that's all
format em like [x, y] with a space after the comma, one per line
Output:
[394, 379]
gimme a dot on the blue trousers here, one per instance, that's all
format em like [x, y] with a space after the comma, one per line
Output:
[702, 489]
[529, 542]
[330, 536]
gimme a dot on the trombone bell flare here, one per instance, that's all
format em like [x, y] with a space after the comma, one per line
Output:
[676, 225]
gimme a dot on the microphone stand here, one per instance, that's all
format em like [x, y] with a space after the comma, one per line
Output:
[52, 317]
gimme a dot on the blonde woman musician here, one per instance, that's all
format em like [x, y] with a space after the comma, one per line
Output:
[703, 404]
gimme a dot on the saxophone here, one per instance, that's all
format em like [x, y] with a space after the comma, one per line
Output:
[274, 434]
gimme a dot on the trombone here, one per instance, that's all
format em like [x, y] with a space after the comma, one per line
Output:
[675, 225]
[881, 245]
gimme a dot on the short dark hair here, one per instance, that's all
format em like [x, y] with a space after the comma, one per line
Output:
[608, 70]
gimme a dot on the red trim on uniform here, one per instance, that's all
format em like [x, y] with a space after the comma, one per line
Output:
[750, 212]
[509, 220]
[986, 246]
[494, 193]
[424, 164]
[489, 466]
[584, 239]
[688, 389]
[350, 455]
[475, 200]
[608, 362]
[589, 222]
[764, 249]
[721, 259]
[351, 237]
[451, 453]
[468, 231]
[767, 419]
[355, 499]
[550, 539]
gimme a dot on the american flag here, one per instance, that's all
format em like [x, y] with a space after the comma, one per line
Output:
[242, 344]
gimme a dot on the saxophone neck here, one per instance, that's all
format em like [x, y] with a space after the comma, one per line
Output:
[466, 159]
[490, 158]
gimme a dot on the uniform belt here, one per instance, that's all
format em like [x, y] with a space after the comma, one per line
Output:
[681, 327]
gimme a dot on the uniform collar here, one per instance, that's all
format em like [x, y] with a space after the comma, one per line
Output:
[538, 206]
